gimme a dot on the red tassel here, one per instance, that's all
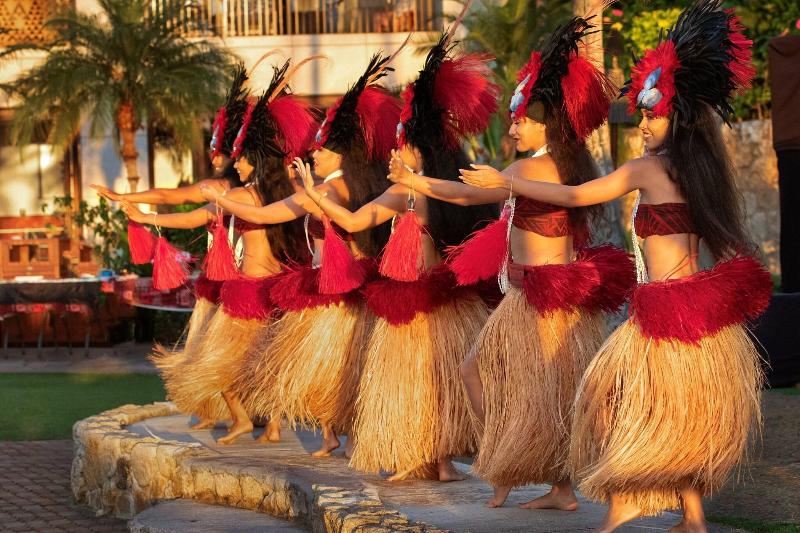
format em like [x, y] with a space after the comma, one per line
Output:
[219, 264]
[140, 243]
[169, 266]
[402, 257]
[340, 272]
[481, 256]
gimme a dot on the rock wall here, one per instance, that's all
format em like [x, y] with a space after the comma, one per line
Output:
[750, 146]
[119, 472]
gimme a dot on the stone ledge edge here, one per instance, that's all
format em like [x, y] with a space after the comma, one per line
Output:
[121, 473]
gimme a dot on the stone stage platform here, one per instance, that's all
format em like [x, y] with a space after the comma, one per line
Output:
[129, 458]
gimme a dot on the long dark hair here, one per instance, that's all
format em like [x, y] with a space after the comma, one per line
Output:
[270, 179]
[366, 180]
[574, 162]
[450, 224]
[699, 164]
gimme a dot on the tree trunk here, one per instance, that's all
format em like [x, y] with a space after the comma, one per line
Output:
[127, 125]
[599, 144]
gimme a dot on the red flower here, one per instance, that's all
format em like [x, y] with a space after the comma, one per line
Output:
[618, 12]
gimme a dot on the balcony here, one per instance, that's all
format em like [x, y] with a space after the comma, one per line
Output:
[259, 18]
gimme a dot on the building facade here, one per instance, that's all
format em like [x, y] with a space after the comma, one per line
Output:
[347, 32]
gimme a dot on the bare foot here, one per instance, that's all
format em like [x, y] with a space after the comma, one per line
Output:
[272, 433]
[235, 431]
[204, 423]
[448, 472]
[329, 443]
[400, 476]
[554, 499]
[689, 527]
[619, 512]
[499, 498]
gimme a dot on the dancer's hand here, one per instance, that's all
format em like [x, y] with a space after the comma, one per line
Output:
[209, 193]
[485, 177]
[133, 212]
[398, 171]
[105, 192]
[303, 170]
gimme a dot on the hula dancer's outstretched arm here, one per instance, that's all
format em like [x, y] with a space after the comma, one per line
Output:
[625, 179]
[286, 210]
[445, 190]
[180, 195]
[192, 219]
[374, 213]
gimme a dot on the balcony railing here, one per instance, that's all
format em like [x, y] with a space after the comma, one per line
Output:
[241, 18]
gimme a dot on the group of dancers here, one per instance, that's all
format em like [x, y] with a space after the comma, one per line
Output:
[454, 309]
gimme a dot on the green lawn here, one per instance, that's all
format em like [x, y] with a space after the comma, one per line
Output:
[45, 406]
[755, 526]
[793, 391]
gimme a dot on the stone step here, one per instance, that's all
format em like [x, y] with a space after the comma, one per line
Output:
[129, 457]
[186, 516]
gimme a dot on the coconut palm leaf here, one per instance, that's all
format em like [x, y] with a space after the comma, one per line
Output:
[116, 71]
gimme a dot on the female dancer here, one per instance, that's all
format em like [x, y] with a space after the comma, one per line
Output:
[274, 127]
[412, 414]
[226, 125]
[663, 412]
[308, 368]
[522, 375]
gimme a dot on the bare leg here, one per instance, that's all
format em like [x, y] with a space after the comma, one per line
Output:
[204, 423]
[241, 422]
[499, 497]
[329, 441]
[272, 431]
[471, 377]
[448, 471]
[619, 512]
[349, 446]
[694, 520]
[561, 497]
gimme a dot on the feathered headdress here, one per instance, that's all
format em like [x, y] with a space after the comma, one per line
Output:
[451, 98]
[365, 115]
[227, 120]
[704, 59]
[277, 124]
[559, 76]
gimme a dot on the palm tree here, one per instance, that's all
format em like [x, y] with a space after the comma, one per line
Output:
[124, 67]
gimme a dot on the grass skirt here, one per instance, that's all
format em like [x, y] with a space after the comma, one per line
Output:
[308, 367]
[655, 416]
[220, 352]
[412, 408]
[245, 311]
[171, 363]
[530, 365]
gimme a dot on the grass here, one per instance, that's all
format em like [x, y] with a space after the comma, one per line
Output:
[45, 406]
[791, 391]
[755, 526]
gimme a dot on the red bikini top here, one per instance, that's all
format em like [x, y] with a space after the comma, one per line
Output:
[317, 230]
[545, 219]
[663, 219]
[242, 226]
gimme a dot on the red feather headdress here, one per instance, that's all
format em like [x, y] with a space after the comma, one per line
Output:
[704, 60]
[559, 76]
[451, 98]
[364, 116]
[226, 121]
